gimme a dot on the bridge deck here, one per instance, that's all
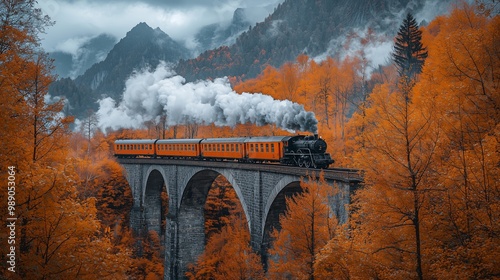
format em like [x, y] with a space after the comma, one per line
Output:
[340, 174]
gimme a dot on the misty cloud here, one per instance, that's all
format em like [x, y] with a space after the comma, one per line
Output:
[78, 19]
[148, 95]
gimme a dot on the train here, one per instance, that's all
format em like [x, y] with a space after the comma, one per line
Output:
[307, 151]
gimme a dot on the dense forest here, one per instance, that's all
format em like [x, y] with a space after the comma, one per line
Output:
[425, 131]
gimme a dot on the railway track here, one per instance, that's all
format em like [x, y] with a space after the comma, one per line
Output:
[339, 174]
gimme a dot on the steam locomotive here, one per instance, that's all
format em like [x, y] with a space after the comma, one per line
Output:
[299, 150]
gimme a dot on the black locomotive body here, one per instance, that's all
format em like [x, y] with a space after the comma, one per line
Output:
[307, 151]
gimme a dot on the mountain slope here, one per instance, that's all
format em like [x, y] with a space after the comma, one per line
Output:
[298, 26]
[90, 53]
[141, 47]
[215, 35]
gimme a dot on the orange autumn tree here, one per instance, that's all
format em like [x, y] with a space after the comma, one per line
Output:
[56, 232]
[463, 75]
[228, 255]
[451, 118]
[306, 227]
[401, 137]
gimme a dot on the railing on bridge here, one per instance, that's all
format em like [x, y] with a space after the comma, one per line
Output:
[340, 174]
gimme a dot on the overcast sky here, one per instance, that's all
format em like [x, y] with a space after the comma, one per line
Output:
[79, 20]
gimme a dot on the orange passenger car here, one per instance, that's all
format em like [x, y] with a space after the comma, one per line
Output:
[223, 148]
[188, 148]
[133, 148]
[265, 148]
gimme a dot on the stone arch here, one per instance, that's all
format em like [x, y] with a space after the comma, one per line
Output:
[190, 218]
[274, 207]
[151, 198]
[230, 178]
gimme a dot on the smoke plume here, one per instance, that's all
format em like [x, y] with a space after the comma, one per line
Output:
[149, 95]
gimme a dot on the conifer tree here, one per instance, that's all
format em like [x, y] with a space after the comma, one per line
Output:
[409, 54]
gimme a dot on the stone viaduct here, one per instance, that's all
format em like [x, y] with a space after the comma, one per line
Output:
[261, 190]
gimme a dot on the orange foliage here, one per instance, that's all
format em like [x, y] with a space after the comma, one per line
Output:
[430, 162]
[306, 228]
[228, 255]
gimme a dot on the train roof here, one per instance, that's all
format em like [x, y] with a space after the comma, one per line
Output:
[267, 139]
[224, 140]
[179, 141]
[135, 141]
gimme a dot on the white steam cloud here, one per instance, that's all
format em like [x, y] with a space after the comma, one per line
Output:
[149, 95]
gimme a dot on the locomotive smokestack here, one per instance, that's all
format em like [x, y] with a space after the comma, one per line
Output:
[316, 137]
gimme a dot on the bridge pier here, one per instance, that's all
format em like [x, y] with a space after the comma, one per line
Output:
[261, 189]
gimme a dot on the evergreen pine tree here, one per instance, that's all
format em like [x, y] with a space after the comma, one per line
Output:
[409, 54]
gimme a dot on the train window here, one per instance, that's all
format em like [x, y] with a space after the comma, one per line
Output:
[267, 148]
[142, 146]
[237, 147]
[262, 147]
[232, 147]
[223, 147]
[150, 147]
[272, 148]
